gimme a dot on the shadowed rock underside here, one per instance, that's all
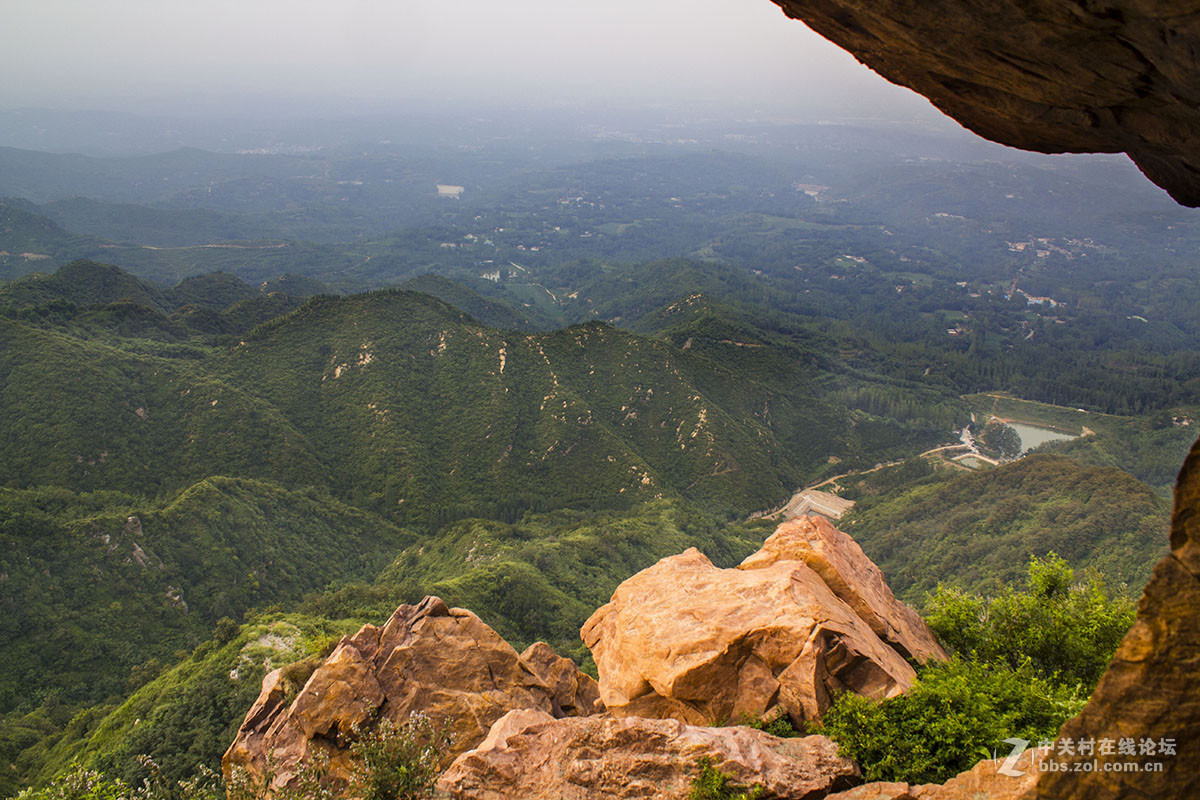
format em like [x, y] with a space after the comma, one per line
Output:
[1044, 75]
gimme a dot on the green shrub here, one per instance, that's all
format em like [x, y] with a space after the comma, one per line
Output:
[712, 784]
[955, 714]
[398, 762]
[780, 726]
[1068, 631]
[80, 784]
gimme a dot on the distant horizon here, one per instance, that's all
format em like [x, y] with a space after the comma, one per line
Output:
[224, 58]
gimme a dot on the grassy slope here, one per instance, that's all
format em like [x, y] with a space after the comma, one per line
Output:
[96, 584]
[978, 530]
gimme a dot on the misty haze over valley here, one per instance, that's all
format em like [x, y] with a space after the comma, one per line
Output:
[373, 374]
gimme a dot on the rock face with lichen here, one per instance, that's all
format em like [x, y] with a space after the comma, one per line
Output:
[428, 658]
[805, 617]
[532, 756]
[1045, 75]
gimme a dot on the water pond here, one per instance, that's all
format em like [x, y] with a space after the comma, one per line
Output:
[1032, 436]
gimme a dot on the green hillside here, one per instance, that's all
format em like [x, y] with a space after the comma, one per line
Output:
[215, 290]
[538, 579]
[131, 581]
[495, 313]
[85, 415]
[30, 241]
[398, 402]
[84, 283]
[977, 530]
[183, 718]
[422, 413]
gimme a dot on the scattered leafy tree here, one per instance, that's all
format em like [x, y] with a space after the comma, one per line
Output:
[1000, 440]
[1066, 630]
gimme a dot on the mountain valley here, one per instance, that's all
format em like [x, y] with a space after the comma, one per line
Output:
[251, 403]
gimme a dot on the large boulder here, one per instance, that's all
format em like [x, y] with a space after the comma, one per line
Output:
[442, 662]
[687, 640]
[854, 578]
[532, 756]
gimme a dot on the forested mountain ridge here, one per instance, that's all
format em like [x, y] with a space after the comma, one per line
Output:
[504, 417]
[391, 397]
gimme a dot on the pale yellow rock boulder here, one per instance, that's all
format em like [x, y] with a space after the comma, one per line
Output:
[854, 578]
[533, 756]
[799, 621]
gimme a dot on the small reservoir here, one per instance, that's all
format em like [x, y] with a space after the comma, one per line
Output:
[1032, 436]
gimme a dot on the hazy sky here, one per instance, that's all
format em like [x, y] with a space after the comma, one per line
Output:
[154, 55]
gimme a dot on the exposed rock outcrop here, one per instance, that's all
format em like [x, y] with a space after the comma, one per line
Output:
[1149, 690]
[532, 756]
[984, 781]
[854, 578]
[443, 662]
[806, 616]
[1043, 75]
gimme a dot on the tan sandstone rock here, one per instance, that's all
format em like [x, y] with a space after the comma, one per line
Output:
[984, 781]
[576, 693]
[854, 578]
[689, 641]
[428, 658]
[879, 790]
[536, 757]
